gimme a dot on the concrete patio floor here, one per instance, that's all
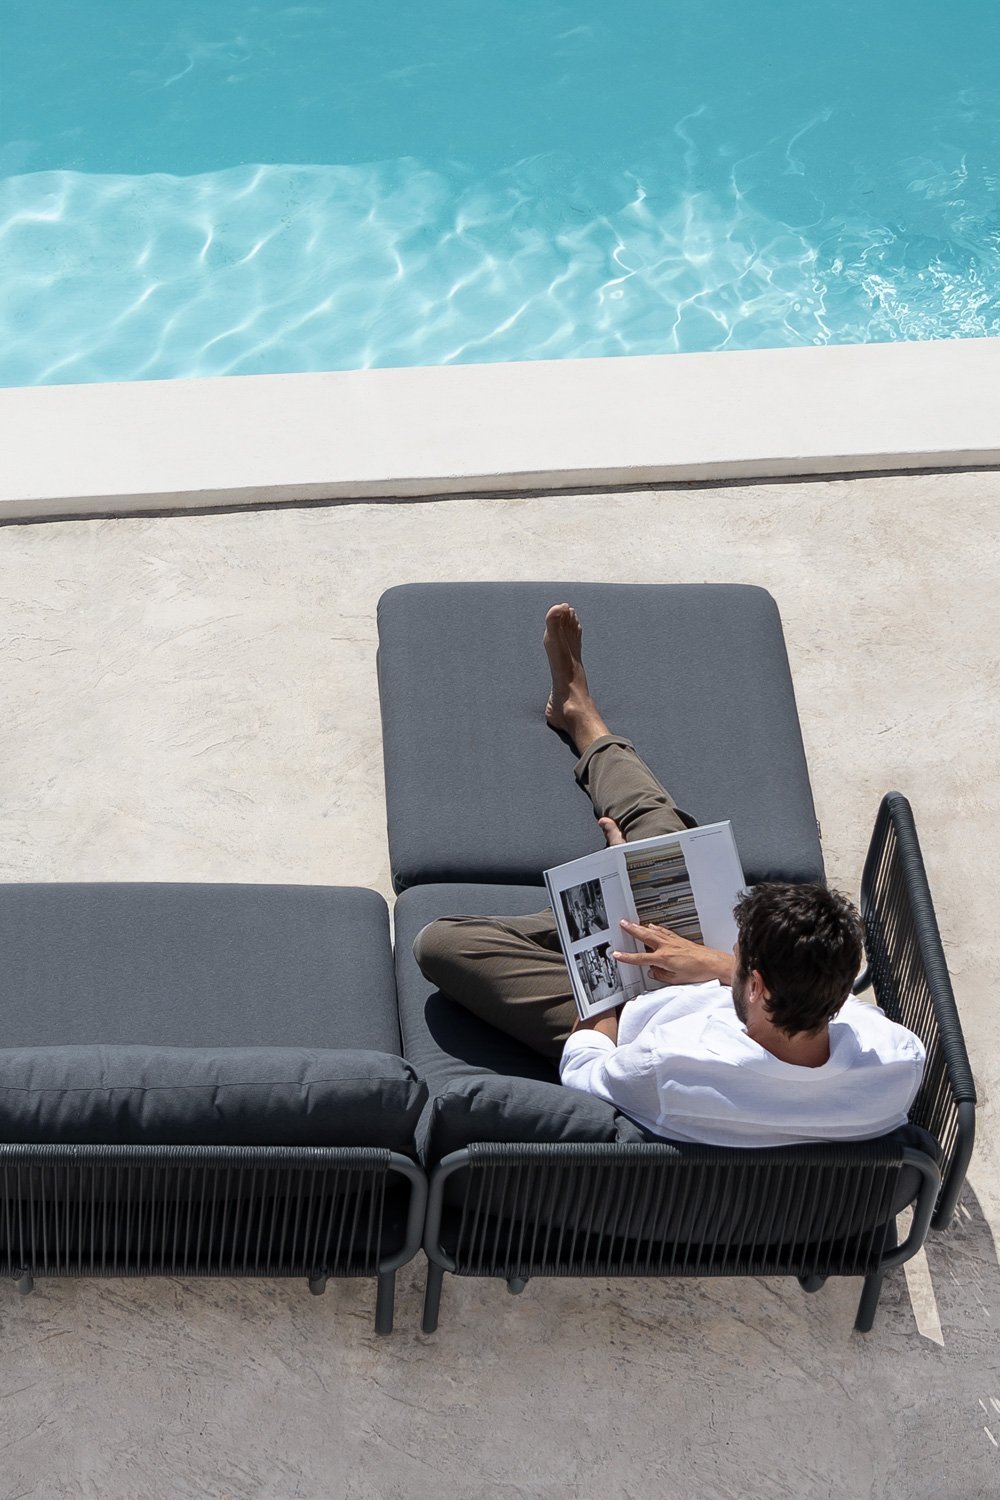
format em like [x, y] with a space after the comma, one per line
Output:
[194, 698]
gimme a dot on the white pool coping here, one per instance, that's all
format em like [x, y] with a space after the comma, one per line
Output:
[559, 424]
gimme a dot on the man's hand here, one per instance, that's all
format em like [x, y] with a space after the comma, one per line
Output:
[675, 960]
[612, 833]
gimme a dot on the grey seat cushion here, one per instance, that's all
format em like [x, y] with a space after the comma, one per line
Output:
[484, 1086]
[196, 966]
[478, 788]
[258, 1096]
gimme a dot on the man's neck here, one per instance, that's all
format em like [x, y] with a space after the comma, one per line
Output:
[804, 1049]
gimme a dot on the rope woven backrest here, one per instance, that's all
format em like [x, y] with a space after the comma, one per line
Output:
[909, 975]
[661, 1210]
[169, 1210]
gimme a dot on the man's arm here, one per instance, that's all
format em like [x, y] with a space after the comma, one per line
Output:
[606, 1025]
[624, 1076]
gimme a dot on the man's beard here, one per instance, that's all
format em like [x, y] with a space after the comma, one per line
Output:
[741, 983]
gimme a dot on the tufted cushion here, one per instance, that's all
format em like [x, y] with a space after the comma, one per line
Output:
[487, 1109]
[252, 1096]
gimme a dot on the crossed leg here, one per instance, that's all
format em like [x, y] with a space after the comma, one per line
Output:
[510, 971]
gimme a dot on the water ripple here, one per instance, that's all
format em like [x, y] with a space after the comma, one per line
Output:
[274, 268]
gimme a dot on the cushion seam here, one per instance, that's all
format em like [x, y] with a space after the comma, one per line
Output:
[152, 1088]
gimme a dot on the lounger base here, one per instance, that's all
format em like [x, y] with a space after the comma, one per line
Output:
[211, 1211]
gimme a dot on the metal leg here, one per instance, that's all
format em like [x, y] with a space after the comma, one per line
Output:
[25, 1283]
[432, 1296]
[873, 1284]
[516, 1285]
[317, 1285]
[869, 1302]
[385, 1301]
[811, 1283]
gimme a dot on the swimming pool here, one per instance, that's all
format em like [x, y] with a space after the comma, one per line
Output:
[237, 188]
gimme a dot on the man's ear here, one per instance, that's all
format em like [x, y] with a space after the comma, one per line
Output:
[759, 990]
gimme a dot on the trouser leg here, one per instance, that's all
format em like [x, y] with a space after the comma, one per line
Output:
[621, 786]
[510, 971]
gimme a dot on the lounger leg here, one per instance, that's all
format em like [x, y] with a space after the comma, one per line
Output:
[516, 1285]
[869, 1302]
[432, 1296]
[385, 1301]
[317, 1285]
[811, 1283]
[25, 1283]
[872, 1288]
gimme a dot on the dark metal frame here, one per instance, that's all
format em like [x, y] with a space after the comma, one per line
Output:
[210, 1211]
[578, 1210]
[909, 975]
[514, 1211]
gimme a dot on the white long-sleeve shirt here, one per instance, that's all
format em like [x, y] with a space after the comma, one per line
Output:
[685, 1068]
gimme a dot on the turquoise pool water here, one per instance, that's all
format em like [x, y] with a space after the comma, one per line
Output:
[207, 187]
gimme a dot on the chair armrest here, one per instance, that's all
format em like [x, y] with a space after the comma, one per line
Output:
[923, 1209]
[909, 974]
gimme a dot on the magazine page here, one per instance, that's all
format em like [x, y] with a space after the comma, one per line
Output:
[688, 881]
[590, 896]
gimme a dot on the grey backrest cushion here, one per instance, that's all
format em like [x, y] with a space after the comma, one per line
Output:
[192, 965]
[254, 1096]
[489, 1109]
[478, 788]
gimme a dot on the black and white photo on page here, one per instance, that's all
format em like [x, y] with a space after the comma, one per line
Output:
[599, 975]
[585, 910]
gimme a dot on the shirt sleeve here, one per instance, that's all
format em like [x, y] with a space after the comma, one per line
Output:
[623, 1076]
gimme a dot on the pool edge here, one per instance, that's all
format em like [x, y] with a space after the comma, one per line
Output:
[416, 433]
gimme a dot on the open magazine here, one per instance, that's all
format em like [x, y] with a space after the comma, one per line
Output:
[688, 881]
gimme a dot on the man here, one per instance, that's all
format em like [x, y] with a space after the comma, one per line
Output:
[761, 1047]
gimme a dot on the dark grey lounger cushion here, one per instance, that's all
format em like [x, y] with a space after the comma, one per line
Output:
[255, 1096]
[478, 788]
[196, 966]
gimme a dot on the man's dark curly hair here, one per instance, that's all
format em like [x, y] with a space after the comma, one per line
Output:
[807, 944]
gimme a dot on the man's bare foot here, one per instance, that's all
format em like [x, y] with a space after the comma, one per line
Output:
[563, 642]
[570, 708]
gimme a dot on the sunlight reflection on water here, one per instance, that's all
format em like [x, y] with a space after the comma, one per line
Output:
[273, 268]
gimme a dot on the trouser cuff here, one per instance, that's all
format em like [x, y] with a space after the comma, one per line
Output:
[580, 769]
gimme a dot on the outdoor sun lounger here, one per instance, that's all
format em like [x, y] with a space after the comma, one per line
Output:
[530, 1179]
[204, 1080]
